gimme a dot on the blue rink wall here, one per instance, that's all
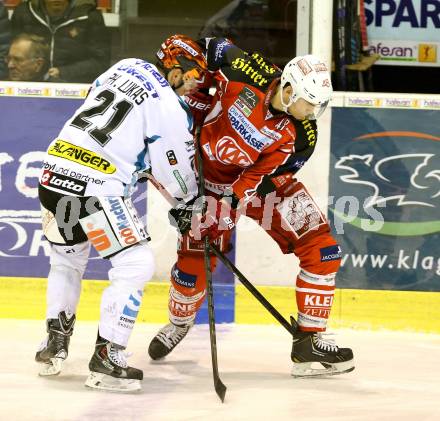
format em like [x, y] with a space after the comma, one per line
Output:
[384, 157]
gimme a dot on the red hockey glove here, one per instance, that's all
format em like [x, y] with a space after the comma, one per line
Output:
[219, 218]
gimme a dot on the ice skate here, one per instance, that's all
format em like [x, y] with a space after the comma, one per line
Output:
[314, 356]
[167, 339]
[54, 349]
[109, 369]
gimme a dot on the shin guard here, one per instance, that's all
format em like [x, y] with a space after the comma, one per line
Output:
[182, 309]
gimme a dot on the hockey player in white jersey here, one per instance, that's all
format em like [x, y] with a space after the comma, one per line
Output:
[133, 120]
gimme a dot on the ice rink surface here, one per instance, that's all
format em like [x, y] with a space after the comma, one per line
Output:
[397, 377]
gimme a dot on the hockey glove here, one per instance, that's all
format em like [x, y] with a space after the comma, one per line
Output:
[281, 183]
[180, 216]
[219, 218]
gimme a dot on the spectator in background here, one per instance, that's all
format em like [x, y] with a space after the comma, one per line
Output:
[75, 30]
[28, 58]
[5, 34]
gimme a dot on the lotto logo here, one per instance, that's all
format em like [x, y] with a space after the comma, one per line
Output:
[45, 178]
[229, 152]
[64, 183]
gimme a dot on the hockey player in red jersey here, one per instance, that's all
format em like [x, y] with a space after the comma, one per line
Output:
[260, 130]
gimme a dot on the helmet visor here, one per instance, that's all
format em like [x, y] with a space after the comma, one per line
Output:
[195, 73]
[318, 111]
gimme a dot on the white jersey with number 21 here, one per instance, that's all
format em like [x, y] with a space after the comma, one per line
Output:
[131, 121]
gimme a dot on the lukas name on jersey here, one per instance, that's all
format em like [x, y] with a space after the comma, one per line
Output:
[131, 89]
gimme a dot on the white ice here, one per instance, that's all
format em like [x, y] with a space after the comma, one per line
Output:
[397, 377]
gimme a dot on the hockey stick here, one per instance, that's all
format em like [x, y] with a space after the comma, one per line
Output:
[254, 291]
[220, 388]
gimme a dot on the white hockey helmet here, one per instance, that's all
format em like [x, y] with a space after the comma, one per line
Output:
[310, 80]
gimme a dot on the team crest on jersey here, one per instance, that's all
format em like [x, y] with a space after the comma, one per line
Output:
[228, 152]
[300, 214]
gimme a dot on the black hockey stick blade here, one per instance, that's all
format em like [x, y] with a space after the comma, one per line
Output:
[220, 388]
[254, 291]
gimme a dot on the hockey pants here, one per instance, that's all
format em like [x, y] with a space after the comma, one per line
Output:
[295, 222]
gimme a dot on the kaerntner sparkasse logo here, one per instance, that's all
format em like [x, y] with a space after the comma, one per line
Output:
[403, 184]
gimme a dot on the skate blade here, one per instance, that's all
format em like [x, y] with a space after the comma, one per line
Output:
[112, 384]
[302, 370]
[52, 368]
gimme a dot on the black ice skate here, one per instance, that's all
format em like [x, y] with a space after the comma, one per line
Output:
[109, 369]
[309, 350]
[167, 339]
[54, 349]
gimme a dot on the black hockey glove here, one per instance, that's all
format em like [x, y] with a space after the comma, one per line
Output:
[180, 216]
[280, 183]
[143, 176]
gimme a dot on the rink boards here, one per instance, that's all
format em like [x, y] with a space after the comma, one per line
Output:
[23, 298]
[390, 278]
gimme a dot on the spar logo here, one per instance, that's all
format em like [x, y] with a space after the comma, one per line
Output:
[399, 177]
[402, 14]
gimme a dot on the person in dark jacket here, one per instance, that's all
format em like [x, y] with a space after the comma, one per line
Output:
[28, 58]
[5, 34]
[74, 29]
